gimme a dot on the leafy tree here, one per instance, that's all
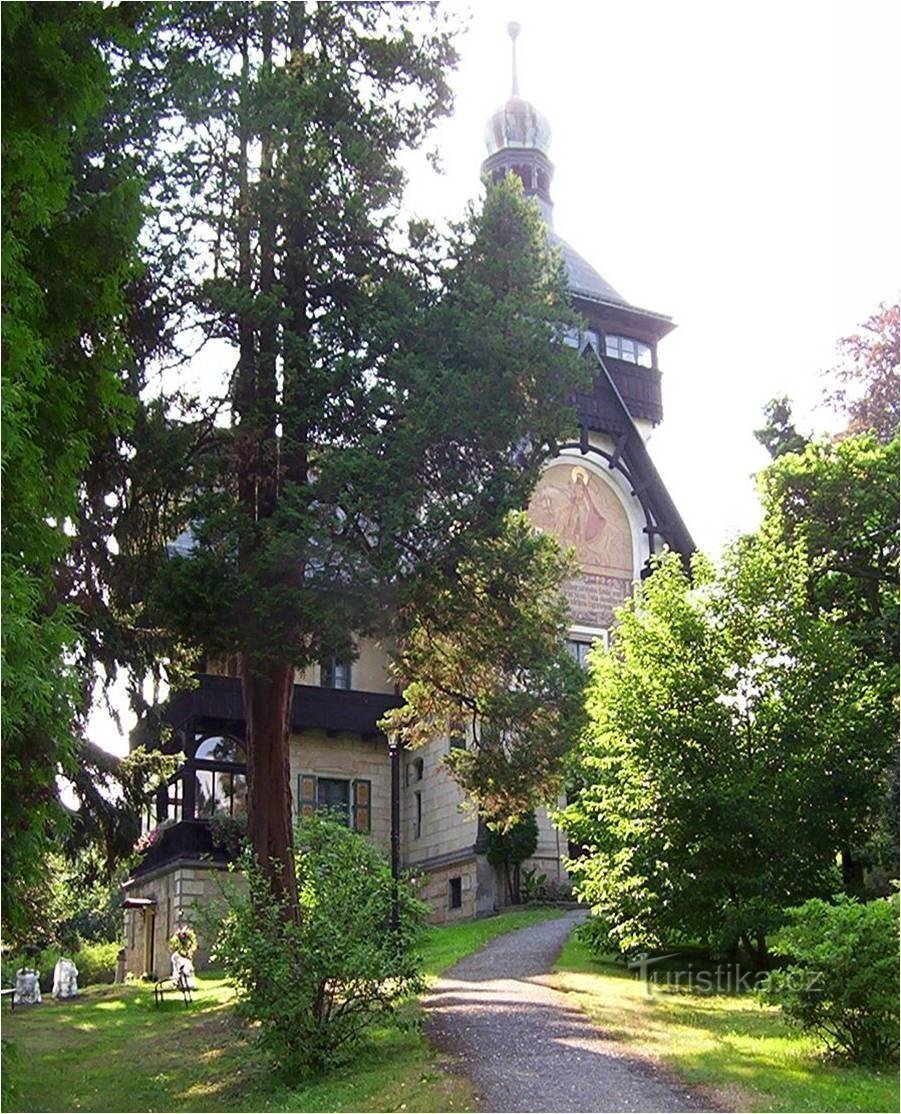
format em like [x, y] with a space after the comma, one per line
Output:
[70, 219]
[734, 739]
[869, 390]
[511, 848]
[362, 456]
[486, 650]
[838, 503]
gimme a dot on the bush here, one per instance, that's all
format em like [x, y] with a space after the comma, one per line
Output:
[314, 987]
[595, 935]
[96, 963]
[842, 982]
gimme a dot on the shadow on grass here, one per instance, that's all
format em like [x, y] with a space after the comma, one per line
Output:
[730, 1043]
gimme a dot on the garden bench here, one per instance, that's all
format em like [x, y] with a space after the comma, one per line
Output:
[12, 996]
[179, 982]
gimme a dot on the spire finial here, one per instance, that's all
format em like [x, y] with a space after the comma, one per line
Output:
[513, 30]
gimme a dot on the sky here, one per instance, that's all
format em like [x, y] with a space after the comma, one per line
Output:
[735, 166]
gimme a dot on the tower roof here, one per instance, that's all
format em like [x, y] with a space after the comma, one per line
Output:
[517, 124]
[583, 278]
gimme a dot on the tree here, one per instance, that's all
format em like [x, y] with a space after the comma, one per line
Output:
[778, 435]
[734, 738]
[868, 376]
[362, 456]
[314, 987]
[71, 215]
[838, 503]
[485, 650]
[511, 848]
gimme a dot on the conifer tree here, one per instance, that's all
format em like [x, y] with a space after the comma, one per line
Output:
[385, 408]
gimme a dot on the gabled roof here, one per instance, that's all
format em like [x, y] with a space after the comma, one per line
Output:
[605, 411]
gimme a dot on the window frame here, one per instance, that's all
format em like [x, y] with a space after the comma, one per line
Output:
[329, 672]
[642, 352]
[359, 796]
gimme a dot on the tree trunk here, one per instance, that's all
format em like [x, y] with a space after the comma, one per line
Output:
[852, 874]
[268, 694]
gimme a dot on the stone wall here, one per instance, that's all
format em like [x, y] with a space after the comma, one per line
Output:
[178, 891]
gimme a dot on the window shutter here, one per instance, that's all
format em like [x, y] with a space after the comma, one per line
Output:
[306, 795]
[362, 815]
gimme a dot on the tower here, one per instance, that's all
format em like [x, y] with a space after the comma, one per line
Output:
[601, 494]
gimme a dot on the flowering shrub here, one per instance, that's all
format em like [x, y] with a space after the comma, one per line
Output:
[144, 842]
[183, 942]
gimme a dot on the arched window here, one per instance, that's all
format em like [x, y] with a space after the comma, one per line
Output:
[221, 748]
[220, 777]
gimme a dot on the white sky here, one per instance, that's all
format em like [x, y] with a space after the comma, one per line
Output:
[734, 166]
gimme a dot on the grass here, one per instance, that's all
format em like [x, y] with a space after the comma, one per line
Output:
[112, 1049]
[743, 1052]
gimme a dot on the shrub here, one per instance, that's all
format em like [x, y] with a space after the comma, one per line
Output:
[315, 986]
[595, 935]
[96, 963]
[842, 982]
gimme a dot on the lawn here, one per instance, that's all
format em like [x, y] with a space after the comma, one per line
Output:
[742, 1051]
[113, 1049]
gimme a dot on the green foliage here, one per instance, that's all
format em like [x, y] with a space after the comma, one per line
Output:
[778, 435]
[510, 848]
[733, 744]
[594, 933]
[96, 961]
[838, 502]
[484, 653]
[315, 985]
[842, 980]
[70, 219]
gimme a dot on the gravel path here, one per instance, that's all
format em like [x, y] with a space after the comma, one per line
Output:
[525, 1047]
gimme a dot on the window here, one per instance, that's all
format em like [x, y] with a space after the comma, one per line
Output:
[417, 815]
[455, 893]
[579, 651]
[456, 735]
[335, 674]
[221, 748]
[219, 793]
[415, 770]
[220, 778]
[629, 349]
[581, 644]
[349, 798]
[174, 800]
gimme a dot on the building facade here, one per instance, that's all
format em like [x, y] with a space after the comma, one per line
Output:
[600, 494]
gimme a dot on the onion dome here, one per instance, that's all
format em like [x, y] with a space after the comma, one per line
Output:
[517, 124]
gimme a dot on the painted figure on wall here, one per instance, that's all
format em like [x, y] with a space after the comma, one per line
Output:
[582, 511]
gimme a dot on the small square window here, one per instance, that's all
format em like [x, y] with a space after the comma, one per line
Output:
[455, 893]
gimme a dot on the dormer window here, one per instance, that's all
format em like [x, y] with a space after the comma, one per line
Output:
[629, 349]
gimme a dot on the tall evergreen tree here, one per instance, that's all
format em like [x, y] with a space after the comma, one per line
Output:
[384, 409]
